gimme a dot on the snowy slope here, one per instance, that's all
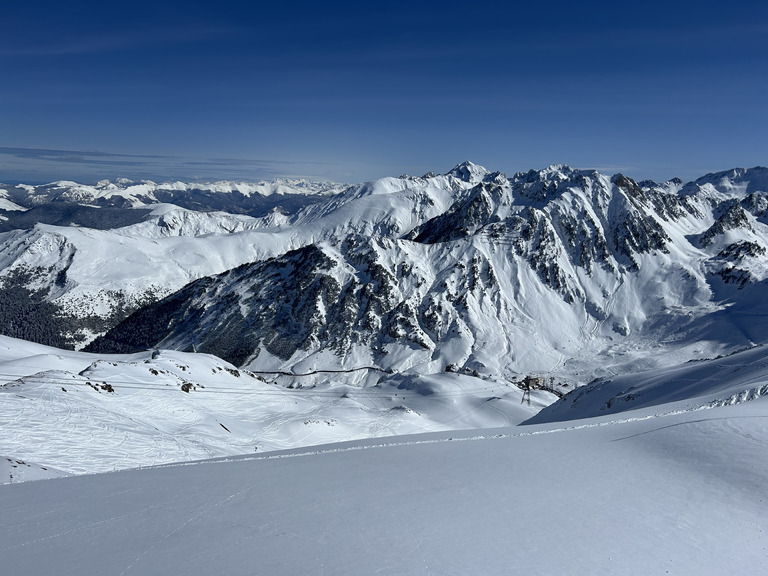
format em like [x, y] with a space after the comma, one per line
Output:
[13, 470]
[739, 377]
[81, 413]
[678, 494]
[6, 204]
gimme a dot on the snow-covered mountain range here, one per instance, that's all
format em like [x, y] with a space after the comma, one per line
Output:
[124, 193]
[558, 271]
[402, 284]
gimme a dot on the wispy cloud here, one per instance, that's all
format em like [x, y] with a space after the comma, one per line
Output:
[26, 164]
[66, 155]
[83, 44]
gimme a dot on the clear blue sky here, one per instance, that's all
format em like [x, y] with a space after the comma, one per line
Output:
[354, 91]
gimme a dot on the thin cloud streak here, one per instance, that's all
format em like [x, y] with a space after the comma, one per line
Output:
[16, 162]
[66, 155]
[125, 41]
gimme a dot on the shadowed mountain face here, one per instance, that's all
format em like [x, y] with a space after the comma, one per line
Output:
[69, 214]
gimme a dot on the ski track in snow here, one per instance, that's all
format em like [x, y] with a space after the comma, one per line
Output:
[138, 428]
[55, 419]
[200, 513]
[746, 396]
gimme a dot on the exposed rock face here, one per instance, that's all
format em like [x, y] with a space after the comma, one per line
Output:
[731, 217]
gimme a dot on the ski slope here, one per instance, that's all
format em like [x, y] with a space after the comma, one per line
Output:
[683, 493]
[82, 413]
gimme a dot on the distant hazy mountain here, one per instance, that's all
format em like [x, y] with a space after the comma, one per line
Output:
[102, 206]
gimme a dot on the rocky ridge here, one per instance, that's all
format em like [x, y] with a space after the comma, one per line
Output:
[516, 274]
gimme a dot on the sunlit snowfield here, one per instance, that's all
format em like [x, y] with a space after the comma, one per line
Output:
[636, 493]
[78, 413]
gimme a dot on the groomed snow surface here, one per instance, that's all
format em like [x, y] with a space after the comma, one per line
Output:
[677, 486]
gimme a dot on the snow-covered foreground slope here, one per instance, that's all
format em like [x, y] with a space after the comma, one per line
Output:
[79, 413]
[676, 494]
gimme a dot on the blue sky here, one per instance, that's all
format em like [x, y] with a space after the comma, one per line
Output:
[352, 92]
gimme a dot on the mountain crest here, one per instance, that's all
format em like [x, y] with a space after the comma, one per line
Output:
[468, 172]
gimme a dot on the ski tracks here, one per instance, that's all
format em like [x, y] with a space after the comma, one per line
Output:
[180, 527]
[474, 438]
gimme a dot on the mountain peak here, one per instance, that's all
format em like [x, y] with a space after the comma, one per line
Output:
[750, 179]
[558, 168]
[469, 172]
